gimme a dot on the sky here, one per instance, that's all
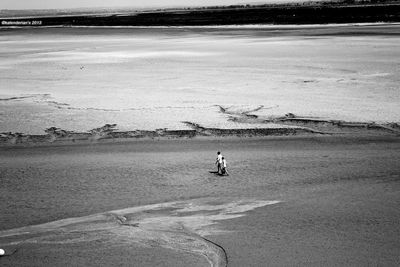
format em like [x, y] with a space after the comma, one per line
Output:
[59, 4]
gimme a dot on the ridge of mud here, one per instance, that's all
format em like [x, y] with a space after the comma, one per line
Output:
[288, 124]
[30, 96]
[108, 131]
[311, 124]
[291, 125]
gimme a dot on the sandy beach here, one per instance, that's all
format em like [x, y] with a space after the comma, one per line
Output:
[289, 201]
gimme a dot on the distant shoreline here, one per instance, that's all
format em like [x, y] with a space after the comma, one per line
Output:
[283, 14]
[228, 26]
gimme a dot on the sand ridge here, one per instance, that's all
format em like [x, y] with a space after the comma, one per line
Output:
[247, 122]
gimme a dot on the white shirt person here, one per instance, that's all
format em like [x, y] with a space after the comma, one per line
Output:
[219, 161]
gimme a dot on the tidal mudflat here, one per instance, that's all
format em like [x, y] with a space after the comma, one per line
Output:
[79, 79]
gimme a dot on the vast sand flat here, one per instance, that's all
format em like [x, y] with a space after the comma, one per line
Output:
[148, 78]
[288, 201]
[328, 197]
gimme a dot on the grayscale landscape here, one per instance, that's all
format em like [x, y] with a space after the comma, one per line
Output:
[108, 140]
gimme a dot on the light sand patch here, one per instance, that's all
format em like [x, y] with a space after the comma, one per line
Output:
[89, 57]
[180, 226]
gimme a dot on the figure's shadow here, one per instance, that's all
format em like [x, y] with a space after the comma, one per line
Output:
[216, 173]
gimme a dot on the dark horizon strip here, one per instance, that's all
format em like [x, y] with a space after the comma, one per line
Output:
[280, 14]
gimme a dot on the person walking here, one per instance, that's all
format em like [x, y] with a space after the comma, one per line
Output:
[219, 162]
[224, 170]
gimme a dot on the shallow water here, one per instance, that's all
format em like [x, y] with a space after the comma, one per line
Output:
[149, 78]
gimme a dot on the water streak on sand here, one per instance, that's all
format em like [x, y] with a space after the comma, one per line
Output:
[179, 225]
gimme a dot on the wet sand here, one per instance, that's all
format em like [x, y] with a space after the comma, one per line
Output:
[288, 201]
